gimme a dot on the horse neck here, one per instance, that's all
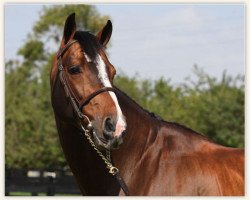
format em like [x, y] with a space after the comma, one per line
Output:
[141, 131]
[89, 170]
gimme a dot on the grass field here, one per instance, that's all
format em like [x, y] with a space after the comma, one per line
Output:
[39, 194]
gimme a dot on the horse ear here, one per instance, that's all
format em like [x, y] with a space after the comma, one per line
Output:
[105, 34]
[69, 29]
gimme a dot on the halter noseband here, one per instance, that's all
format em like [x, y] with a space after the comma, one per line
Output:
[76, 104]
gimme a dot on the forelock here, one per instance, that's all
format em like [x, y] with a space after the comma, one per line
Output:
[89, 43]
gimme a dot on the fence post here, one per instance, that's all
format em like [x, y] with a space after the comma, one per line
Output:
[51, 187]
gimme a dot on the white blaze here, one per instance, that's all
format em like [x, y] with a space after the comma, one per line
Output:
[103, 76]
[87, 57]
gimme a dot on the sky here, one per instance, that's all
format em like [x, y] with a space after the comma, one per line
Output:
[156, 40]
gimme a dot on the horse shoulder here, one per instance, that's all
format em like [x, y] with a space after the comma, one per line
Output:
[178, 163]
[193, 165]
[166, 163]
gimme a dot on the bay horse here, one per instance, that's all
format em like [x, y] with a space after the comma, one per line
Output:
[153, 157]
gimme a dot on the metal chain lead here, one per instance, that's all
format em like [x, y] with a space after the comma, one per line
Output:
[108, 155]
[112, 170]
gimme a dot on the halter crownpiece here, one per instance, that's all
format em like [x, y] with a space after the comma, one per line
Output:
[78, 106]
[66, 47]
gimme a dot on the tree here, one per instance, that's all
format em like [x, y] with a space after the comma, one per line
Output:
[214, 108]
[210, 106]
[31, 137]
[218, 107]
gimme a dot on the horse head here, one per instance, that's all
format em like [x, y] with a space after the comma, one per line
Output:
[82, 85]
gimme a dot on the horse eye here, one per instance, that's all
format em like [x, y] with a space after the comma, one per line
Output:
[74, 70]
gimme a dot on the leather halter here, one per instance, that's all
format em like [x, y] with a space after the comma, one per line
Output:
[76, 104]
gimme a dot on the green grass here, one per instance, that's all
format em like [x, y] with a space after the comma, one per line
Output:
[68, 194]
[20, 194]
[39, 194]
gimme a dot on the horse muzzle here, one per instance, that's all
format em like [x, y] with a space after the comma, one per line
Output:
[108, 143]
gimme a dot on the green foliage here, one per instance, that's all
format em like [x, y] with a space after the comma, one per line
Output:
[215, 108]
[53, 19]
[32, 51]
[30, 134]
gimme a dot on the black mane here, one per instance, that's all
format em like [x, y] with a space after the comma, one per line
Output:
[89, 43]
[168, 123]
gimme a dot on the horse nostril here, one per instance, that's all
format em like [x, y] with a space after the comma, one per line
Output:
[109, 125]
[109, 128]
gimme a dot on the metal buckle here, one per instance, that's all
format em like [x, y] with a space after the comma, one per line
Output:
[113, 170]
[60, 67]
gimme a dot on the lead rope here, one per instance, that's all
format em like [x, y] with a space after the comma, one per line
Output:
[107, 160]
